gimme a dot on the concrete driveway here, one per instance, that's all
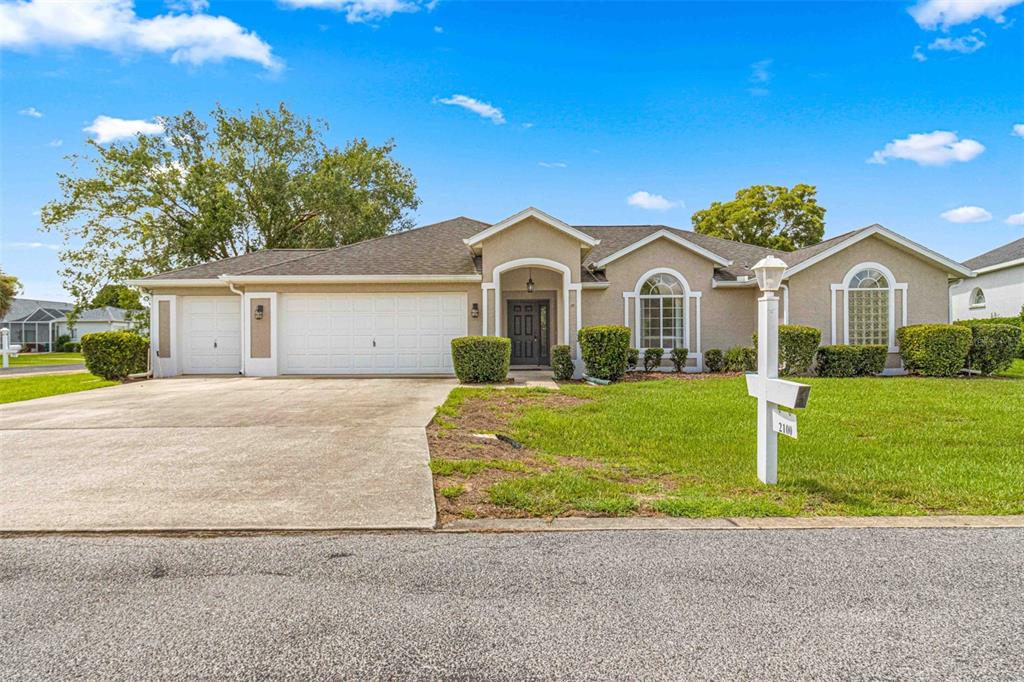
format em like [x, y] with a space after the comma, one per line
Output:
[222, 453]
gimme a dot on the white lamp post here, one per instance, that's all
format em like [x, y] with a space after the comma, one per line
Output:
[769, 390]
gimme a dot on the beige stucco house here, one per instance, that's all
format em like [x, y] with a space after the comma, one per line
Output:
[392, 305]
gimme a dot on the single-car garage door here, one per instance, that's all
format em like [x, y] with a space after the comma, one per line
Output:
[370, 333]
[211, 335]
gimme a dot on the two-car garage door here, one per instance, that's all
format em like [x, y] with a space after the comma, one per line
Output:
[369, 333]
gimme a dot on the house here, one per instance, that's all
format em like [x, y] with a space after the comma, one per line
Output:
[998, 290]
[36, 325]
[392, 305]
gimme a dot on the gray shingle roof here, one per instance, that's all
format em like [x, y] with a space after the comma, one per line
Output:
[1007, 252]
[22, 307]
[438, 249]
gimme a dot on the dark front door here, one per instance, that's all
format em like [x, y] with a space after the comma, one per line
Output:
[528, 329]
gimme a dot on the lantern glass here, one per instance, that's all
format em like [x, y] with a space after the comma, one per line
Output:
[769, 271]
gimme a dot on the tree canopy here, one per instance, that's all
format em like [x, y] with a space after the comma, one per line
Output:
[766, 215]
[117, 296]
[204, 191]
[10, 287]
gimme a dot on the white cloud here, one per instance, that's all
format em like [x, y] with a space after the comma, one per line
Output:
[651, 202]
[476, 106]
[31, 112]
[1018, 129]
[55, 142]
[967, 214]
[358, 11]
[963, 44]
[439, 29]
[937, 148]
[759, 71]
[943, 14]
[918, 55]
[108, 128]
[25, 246]
[1016, 219]
[528, 125]
[113, 26]
[552, 164]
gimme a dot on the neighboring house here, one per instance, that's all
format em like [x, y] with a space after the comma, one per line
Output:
[392, 305]
[36, 325]
[998, 289]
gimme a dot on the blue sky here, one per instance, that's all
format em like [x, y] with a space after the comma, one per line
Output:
[570, 107]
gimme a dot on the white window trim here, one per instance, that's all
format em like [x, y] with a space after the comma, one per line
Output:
[894, 286]
[971, 305]
[634, 323]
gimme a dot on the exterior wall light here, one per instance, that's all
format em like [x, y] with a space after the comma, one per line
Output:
[474, 312]
[529, 282]
[259, 312]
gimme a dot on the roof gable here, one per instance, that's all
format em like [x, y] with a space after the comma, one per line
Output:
[671, 236]
[1003, 256]
[531, 212]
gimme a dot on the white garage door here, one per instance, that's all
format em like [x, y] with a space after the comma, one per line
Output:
[211, 329]
[370, 333]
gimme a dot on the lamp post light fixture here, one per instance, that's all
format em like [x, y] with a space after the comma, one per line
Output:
[770, 391]
[529, 282]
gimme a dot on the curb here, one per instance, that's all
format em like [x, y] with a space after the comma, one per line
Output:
[570, 524]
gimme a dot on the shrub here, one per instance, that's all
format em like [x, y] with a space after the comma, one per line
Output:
[740, 359]
[632, 358]
[851, 361]
[679, 358]
[1012, 321]
[561, 362]
[993, 347]
[605, 350]
[713, 360]
[72, 347]
[115, 355]
[481, 359]
[938, 350]
[652, 358]
[797, 345]
[61, 342]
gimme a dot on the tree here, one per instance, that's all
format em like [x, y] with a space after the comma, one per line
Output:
[10, 287]
[202, 192]
[117, 296]
[766, 215]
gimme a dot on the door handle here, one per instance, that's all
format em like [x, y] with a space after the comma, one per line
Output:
[215, 343]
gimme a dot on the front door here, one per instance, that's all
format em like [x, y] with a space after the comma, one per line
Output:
[528, 329]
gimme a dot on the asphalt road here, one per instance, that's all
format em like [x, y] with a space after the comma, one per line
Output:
[834, 604]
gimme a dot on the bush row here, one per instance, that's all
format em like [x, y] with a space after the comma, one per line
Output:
[851, 361]
[115, 355]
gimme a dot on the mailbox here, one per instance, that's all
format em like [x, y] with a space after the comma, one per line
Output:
[779, 391]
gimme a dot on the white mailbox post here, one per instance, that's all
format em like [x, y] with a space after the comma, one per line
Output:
[766, 386]
[6, 349]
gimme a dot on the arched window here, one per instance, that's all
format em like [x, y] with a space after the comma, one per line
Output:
[662, 308]
[977, 298]
[868, 294]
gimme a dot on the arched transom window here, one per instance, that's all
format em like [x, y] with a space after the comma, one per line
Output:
[662, 308]
[869, 301]
[978, 298]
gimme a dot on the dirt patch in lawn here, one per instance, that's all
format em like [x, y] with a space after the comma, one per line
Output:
[639, 375]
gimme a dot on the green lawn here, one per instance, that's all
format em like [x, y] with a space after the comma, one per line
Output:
[870, 446]
[34, 359]
[28, 387]
[1016, 370]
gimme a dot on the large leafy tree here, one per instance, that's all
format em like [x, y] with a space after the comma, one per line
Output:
[10, 287]
[203, 191]
[117, 296]
[766, 215]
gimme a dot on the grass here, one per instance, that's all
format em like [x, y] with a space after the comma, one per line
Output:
[1015, 371]
[869, 446]
[36, 359]
[16, 389]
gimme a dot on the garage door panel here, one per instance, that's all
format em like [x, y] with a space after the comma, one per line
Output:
[211, 335]
[370, 333]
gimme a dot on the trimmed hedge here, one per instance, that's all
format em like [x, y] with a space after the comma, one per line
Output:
[605, 350]
[678, 356]
[561, 362]
[632, 358]
[115, 355]
[993, 347]
[652, 358]
[714, 361]
[71, 347]
[740, 359]
[851, 361]
[481, 359]
[1012, 321]
[938, 350]
[797, 345]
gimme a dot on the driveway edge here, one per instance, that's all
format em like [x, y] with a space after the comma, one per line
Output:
[569, 524]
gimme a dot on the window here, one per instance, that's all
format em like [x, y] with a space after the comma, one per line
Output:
[868, 301]
[662, 308]
[977, 298]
